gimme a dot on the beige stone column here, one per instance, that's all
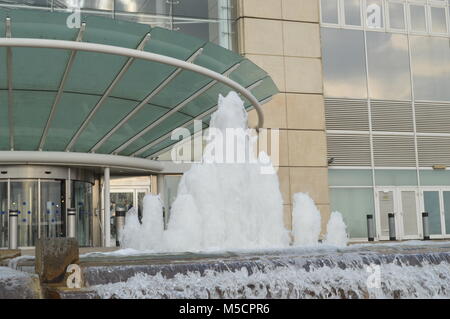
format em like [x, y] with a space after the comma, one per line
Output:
[283, 38]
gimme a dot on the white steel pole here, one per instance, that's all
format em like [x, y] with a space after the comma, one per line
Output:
[107, 220]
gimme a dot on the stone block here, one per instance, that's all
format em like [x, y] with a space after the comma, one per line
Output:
[53, 255]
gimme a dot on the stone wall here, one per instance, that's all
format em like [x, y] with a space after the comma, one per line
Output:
[283, 37]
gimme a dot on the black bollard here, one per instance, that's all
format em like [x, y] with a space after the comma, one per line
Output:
[426, 226]
[370, 228]
[392, 235]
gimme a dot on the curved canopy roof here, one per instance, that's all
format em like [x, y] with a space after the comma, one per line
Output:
[83, 101]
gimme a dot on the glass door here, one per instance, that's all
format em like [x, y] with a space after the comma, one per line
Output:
[52, 212]
[446, 200]
[433, 206]
[386, 205]
[408, 214]
[403, 203]
[24, 198]
[3, 214]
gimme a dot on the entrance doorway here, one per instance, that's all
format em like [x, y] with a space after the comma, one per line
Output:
[436, 202]
[403, 202]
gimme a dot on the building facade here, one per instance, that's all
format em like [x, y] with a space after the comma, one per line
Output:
[362, 112]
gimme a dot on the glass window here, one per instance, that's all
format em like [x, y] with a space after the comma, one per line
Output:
[4, 214]
[354, 204]
[103, 5]
[51, 211]
[438, 20]
[374, 14]
[433, 208]
[352, 9]
[396, 15]
[24, 198]
[329, 9]
[395, 177]
[435, 178]
[344, 63]
[159, 7]
[447, 211]
[170, 192]
[417, 18]
[431, 68]
[354, 177]
[389, 71]
[140, 199]
[82, 200]
[194, 8]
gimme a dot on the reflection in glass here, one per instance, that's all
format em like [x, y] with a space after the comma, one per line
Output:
[433, 208]
[352, 12]
[431, 68]
[24, 196]
[344, 63]
[417, 16]
[438, 20]
[329, 9]
[51, 211]
[196, 8]
[82, 202]
[3, 214]
[159, 7]
[389, 73]
[103, 5]
[35, 3]
[354, 204]
[170, 190]
[140, 196]
[396, 15]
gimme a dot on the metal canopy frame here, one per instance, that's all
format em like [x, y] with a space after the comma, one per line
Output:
[79, 159]
[132, 54]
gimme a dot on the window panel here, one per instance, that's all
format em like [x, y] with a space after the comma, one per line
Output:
[329, 11]
[433, 208]
[352, 10]
[344, 63]
[417, 18]
[396, 15]
[431, 68]
[389, 72]
[438, 20]
[354, 205]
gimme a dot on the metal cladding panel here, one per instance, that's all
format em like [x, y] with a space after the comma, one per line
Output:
[349, 150]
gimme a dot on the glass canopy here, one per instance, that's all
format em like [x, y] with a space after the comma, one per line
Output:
[64, 100]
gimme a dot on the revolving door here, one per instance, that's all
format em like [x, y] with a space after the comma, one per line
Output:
[41, 205]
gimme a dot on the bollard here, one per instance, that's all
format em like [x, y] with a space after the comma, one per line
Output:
[71, 223]
[391, 217]
[426, 226]
[13, 231]
[120, 222]
[370, 228]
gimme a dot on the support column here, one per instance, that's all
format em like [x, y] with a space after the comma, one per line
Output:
[107, 219]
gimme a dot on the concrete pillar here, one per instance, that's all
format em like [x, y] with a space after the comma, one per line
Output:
[107, 208]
